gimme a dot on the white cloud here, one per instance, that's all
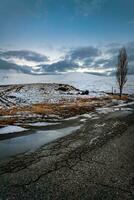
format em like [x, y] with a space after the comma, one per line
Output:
[99, 60]
[95, 70]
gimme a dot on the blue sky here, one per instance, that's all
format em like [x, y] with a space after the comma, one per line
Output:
[48, 24]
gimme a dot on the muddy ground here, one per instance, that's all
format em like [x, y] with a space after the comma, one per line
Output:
[95, 162]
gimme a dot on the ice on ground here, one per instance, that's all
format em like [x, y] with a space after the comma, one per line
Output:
[83, 120]
[72, 118]
[125, 104]
[11, 129]
[43, 124]
[91, 116]
[117, 111]
[121, 106]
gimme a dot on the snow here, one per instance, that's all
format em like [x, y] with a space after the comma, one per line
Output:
[125, 104]
[50, 93]
[72, 118]
[43, 124]
[11, 129]
[37, 93]
[82, 81]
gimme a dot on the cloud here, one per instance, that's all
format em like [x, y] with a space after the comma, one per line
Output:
[23, 57]
[22, 61]
[100, 60]
[84, 59]
[4, 65]
[59, 67]
[114, 50]
[25, 54]
[83, 53]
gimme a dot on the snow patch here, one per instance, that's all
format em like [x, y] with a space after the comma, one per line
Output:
[43, 124]
[11, 129]
[100, 125]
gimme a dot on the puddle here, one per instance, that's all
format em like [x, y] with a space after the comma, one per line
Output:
[14, 146]
[40, 133]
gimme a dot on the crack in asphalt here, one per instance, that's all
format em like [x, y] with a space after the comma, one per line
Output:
[24, 162]
[62, 154]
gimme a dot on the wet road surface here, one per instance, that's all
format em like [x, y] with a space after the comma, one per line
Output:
[94, 159]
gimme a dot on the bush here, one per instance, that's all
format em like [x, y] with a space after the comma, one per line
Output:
[86, 92]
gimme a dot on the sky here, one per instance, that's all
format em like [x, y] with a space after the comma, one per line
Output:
[53, 27]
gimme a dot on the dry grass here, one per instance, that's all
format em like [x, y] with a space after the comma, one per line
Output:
[117, 97]
[62, 109]
[7, 121]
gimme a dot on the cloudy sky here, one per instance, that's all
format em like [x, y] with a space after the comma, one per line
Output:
[46, 36]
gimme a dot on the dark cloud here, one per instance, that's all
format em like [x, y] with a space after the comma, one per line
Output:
[101, 58]
[4, 65]
[24, 54]
[83, 53]
[113, 48]
[60, 66]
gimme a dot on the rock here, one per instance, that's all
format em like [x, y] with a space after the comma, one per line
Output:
[63, 88]
[85, 92]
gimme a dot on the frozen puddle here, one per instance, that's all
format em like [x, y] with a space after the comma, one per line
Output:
[11, 129]
[29, 143]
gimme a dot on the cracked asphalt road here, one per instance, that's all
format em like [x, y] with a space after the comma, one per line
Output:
[95, 162]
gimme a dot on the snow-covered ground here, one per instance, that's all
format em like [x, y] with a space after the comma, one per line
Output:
[80, 80]
[36, 124]
[37, 134]
[37, 93]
